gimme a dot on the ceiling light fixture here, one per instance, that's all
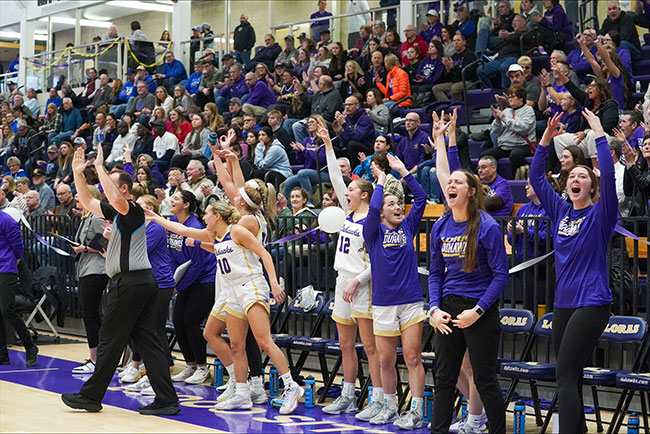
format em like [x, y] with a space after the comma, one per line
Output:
[16, 35]
[155, 7]
[72, 21]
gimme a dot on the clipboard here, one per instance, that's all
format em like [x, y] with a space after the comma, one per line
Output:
[98, 243]
[181, 270]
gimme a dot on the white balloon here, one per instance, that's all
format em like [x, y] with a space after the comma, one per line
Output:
[331, 219]
[14, 213]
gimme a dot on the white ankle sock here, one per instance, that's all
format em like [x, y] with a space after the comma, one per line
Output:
[287, 379]
[243, 389]
[257, 382]
[348, 389]
[389, 400]
[474, 420]
[230, 369]
[377, 394]
[416, 404]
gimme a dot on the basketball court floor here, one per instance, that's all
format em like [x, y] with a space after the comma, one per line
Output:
[30, 402]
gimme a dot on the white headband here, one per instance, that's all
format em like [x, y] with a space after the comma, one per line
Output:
[244, 195]
[252, 183]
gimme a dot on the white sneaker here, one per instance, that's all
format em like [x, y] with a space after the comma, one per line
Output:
[231, 385]
[132, 374]
[371, 410]
[128, 368]
[200, 375]
[458, 425]
[236, 402]
[137, 387]
[258, 396]
[386, 415]
[88, 367]
[409, 420]
[184, 374]
[223, 387]
[469, 429]
[290, 397]
[342, 404]
[147, 391]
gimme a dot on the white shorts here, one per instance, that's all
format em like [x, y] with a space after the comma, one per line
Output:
[240, 296]
[391, 320]
[219, 308]
[359, 307]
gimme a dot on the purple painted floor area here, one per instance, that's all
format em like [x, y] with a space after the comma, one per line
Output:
[54, 375]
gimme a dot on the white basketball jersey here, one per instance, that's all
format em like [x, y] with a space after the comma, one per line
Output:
[263, 235]
[235, 262]
[351, 255]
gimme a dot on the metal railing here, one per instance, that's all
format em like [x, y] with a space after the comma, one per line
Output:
[197, 47]
[4, 78]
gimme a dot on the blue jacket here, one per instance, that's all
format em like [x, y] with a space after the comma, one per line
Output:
[57, 101]
[176, 69]
[151, 84]
[276, 158]
[363, 169]
[261, 95]
[192, 85]
[127, 91]
[238, 90]
[11, 244]
[71, 120]
[359, 127]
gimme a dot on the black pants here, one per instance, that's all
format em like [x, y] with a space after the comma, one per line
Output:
[275, 178]
[129, 311]
[575, 334]
[482, 341]
[8, 285]
[202, 99]
[91, 288]
[354, 148]
[161, 309]
[516, 156]
[254, 355]
[192, 308]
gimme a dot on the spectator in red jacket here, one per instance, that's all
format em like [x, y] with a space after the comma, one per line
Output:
[413, 40]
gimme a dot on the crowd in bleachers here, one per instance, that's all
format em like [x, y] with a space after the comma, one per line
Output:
[261, 100]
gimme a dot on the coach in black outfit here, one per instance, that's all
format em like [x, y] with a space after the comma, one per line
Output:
[132, 292]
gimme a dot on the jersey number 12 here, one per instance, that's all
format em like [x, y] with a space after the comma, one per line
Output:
[344, 245]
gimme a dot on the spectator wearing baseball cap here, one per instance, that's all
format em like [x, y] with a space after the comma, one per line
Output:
[433, 26]
[289, 51]
[244, 40]
[52, 164]
[45, 193]
[206, 32]
[234, 109]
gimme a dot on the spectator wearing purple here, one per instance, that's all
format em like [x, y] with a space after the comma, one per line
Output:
[642, 10]
[307, 153]
[630, 129]
[576, 58]
[556, 20]
[430, 69]
[614, 38]
[409, 148]
[499, 200]
[432, 28]
[260, 96]
[355, 128]
[318, 26]
[234, 87]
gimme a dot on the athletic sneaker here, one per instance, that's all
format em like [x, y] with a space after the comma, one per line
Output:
[409, 420]
[469, 429]
[200, 375]
[386, 415]
[184, 374]
[228, 392]
[258, 396]
[129, 368]
[87, 367]
[133, 375]
[291, 396]
[458, 425]
[223, 387]
[236, 402]
[148, 391]
[137, 387]
[342, 404]
[371, 410]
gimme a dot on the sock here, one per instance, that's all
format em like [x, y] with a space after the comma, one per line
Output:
[377, 394]
[348, 389]
[231, 371]
[474, 420]
[287, 379]
[389, 400]
[416, 405]
[243, 389]
[257, 382]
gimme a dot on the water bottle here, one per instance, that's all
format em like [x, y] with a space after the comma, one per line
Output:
[463, 408]
[369, 394]
[633, 424]
[520, 418]
[427, 405]
[309, 392]
[638, 86]
[274, 386]
[218, 373]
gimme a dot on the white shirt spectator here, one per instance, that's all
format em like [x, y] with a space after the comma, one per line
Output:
[624, 203]
[165, 142]
[167, 104]
[118, 147]
[356, 21]
[33, 106]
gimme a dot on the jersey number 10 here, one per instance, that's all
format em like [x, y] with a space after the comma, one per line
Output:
[224, 266]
